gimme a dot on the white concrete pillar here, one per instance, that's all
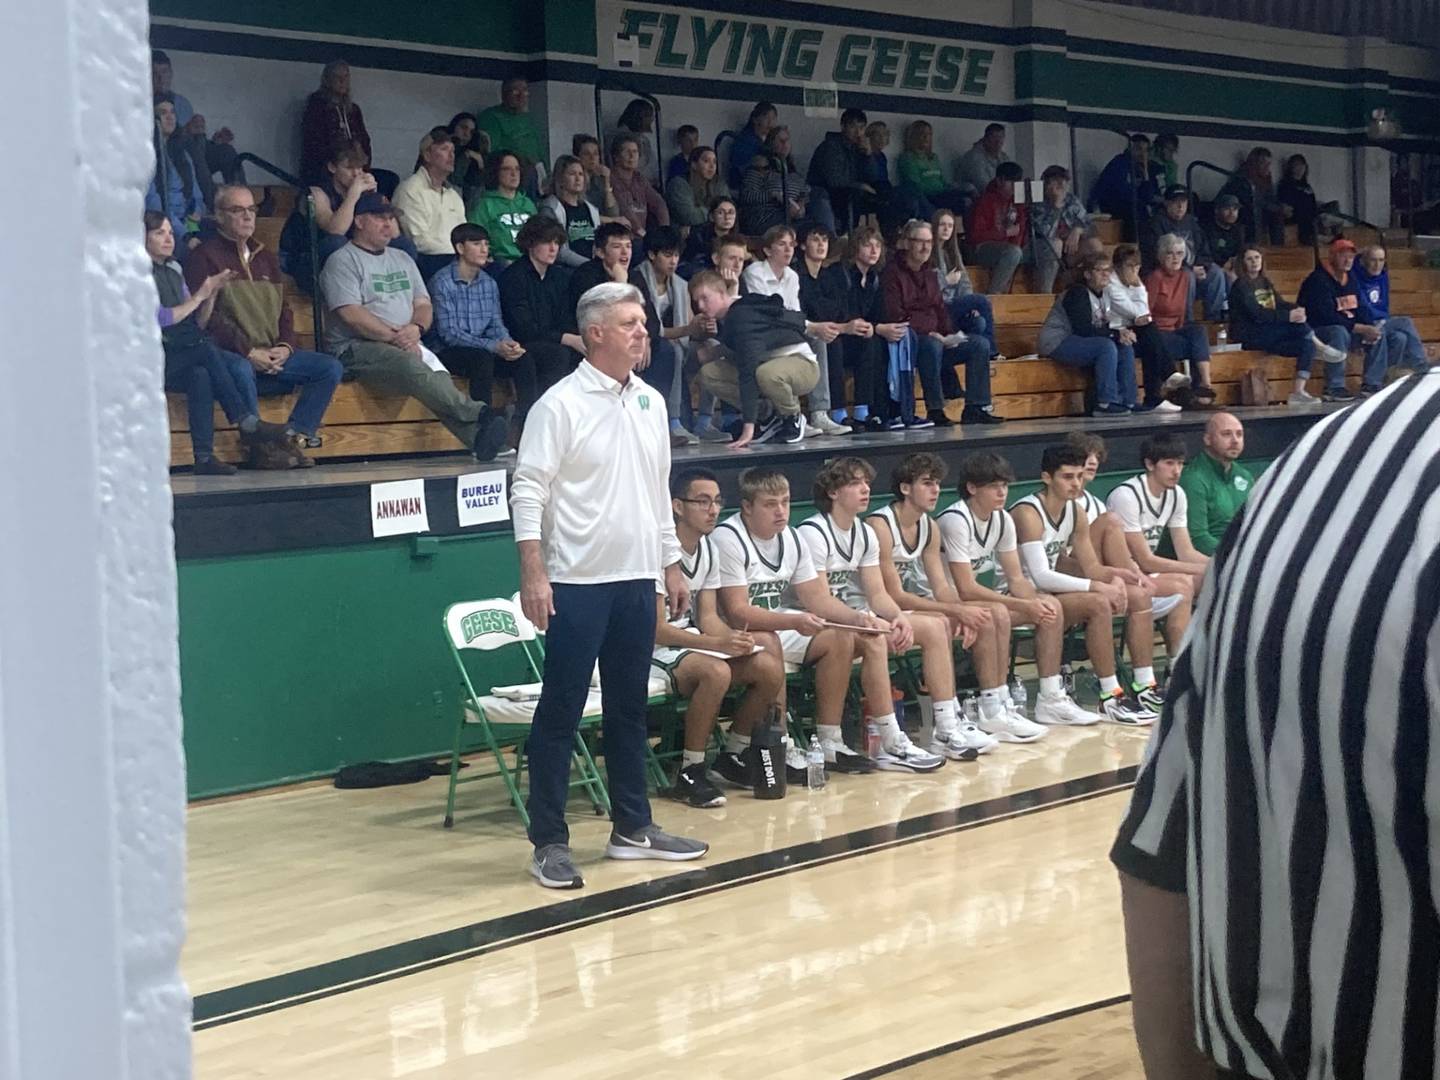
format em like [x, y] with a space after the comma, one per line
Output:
[91, 770]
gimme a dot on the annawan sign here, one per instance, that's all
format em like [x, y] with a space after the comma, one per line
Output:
[716, 45]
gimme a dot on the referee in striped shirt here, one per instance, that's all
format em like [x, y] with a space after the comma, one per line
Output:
[1278, 869]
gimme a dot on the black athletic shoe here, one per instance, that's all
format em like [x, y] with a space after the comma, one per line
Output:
[214, 467]
[694, 788]
[768, 430]
[492, 432]
[1339, 393]
[939, 419]
[973, 414]
[873, 424]
[734, 769]
[1366, 389]
[792, 429]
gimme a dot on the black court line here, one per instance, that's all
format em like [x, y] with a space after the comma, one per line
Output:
[450, 946]
[988, 1036]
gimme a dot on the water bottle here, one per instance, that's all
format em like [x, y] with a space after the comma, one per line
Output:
[1019, 695]
[1222, 337]
[872, 739]
[971, 709]
[1067, 679]
[815, 766]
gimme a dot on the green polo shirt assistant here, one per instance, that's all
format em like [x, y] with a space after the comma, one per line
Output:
[1215, 495]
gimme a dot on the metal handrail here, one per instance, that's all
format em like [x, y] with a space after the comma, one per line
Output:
[274, 170]
[1229, 174]
[317, 308]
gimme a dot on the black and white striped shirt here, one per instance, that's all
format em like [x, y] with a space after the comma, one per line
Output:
[1292, 787]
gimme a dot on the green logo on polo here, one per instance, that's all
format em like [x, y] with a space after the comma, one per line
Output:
[490, 621]
[644, 401]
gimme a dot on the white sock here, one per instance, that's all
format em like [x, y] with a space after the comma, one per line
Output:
[947, 715]
[1051, 686]
[829, 732]
[1108, 685]
[1005, 695]
[1144, 676]
[735, 743]
[992, 702]
[691, 757]
[886, 728]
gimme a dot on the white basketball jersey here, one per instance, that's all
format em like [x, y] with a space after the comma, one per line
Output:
[1057, 536]
[767, 568]
[841, 555]
[1141, 512]
[966, 539]
[1092, 506]
[701, 571]
[909, 562]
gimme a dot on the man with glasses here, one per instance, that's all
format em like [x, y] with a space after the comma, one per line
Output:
[255, 322]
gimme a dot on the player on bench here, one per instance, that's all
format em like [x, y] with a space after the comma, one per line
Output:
[844, 549]
[701, 655]
[915, 578]
[1053, 522]
[768, 583]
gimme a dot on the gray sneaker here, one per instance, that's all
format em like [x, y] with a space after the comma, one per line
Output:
[652, 842]
[553, 868]
[1302, 397]
[707, 434]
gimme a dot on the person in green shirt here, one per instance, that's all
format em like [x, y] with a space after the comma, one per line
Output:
[920, 172]
[502, 207]
[511, 127]
[1216, 485]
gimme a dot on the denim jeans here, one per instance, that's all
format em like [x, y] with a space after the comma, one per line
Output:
[1113, 363]
[1398, 344]
[1214, 292]
[1337, 337]
[315, 375]
[1002, 260]
[205, 374]
[1284, 339]
[608, 622]
[664, 356]
[934, 362]
[973, 314]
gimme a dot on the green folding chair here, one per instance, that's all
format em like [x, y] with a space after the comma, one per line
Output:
[488, 626]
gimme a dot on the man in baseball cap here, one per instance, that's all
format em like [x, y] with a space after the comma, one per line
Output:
[1225, 235]
[1332, 306]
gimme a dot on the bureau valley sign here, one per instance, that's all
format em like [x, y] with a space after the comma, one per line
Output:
[706, 44]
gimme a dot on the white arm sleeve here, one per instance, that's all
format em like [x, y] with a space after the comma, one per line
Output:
[1037, 569]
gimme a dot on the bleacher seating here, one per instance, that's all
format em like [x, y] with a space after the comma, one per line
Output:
[364, 424]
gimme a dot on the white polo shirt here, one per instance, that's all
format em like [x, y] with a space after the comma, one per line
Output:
[760, 277]
[591, 480]
[427, 215]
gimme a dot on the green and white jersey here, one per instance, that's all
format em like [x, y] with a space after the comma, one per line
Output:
[1139, 511]
[968, 540]
[841, 555]
[909, 562]
[1057, 536]
[768, 569]
[1092, 506]
[701, 572]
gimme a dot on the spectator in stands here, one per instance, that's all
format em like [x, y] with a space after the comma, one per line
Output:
[774, 276]
[874, 164]
[668, 295]
[920, 173]
[825, 299]
[912, 296]
[503, 209]
[1175, 219]
[210, 155]
[1166, 151]
[1260, 319]
[1254, 188]
[638, 120]
[1128, 189]
[614, 249]
[331, 118]
[1077, 333]
[175, 189]
[970, 312]
[720, 223]
[1057, 225]
[1129, 305]
[1215, 483]
[469, 331]
[980, 164]
[1226, 236]
[567, 204]
[866, 356]
[535, 303]
[511, 128]
[750, 142]
[1399, 343]
[1171, 286]
[252, 319]
[202, 372]
[687, 138]
[348, 180]
[600, 193]
[1297, 198]
[767, 354]
[1331, 301]
[379, 310]
[691, 196]
[773, 193]
[640, 205]
[999, 228]
[471, 146]
[429, 208]
[835, 168]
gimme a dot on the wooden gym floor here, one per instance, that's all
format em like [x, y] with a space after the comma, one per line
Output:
[960, 924]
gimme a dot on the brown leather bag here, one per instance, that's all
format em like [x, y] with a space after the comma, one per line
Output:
[1254, 387]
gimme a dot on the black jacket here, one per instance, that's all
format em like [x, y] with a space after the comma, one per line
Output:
[535, 308]
[1226, 242]
[594, 273]
[835, 165]
[1328, 302]
[824, 297]
[753, 328]
[1253, 304]
[866, 297]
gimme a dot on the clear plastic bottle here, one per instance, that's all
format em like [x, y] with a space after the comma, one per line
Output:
[1019, 695]
[1067, 678]
[971, 709]
[872, 738]
[1222, 337]
[814, 765]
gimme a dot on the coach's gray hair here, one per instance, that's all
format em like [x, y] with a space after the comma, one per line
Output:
[594, 303]
[1171, 242]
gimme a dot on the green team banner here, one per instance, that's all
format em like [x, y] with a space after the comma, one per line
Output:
[697, 43]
